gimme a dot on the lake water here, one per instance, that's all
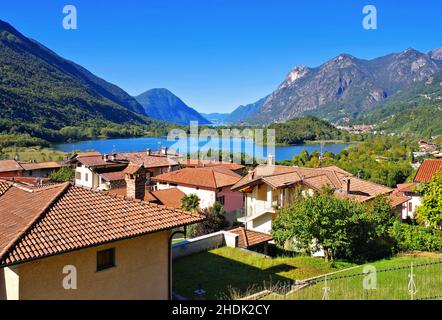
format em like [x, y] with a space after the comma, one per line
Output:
[234, 144]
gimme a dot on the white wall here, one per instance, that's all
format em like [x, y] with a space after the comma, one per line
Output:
[92, 177]
[207, 197]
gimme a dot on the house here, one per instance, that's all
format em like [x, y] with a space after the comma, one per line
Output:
[67, 242]
[427, 170]
[210, 184]
[10, 168]
[13, 168]
[270, 187]
[95, 171]
[195, 163]
[424, 174]
[41, 169]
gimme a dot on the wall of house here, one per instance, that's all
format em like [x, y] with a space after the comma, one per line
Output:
[262, 223]
[141, 272]
[415, 202]
[40, 173]
[207, 197]
[9, 283]
[233, 200]
[92, 182]
[11, 174]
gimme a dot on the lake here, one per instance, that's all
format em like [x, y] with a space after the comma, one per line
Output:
[235, 144]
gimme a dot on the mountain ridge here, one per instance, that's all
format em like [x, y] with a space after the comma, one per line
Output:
[162, 104]
[345, 86]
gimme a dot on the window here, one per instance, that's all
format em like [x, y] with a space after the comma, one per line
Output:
[78, 175]
[410, 206]
[221, 200]
[86, 177]
[105, 259]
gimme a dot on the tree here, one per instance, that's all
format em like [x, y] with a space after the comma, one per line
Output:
[321, 222]
[63, 174]
[216, 220]
[430, 210]
[190, 203]
[342, 228]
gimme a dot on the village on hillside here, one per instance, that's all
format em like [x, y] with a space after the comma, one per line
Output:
[122, 217]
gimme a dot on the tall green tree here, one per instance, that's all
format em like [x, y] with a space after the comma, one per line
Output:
[430, 210]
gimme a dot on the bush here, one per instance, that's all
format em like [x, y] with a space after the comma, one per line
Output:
[64, 174]
[416, 238]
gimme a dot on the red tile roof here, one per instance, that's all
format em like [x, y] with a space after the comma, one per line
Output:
[141, 158]
[148, 196]
[195, 163]
[316, 178]
[58, 219]
[41, 165]
[248, 238]
[169, 197]
[208, 177]
[113, 176]
[9, 165]
[427, 170]
[397, 197]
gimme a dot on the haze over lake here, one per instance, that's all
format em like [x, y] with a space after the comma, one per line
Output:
[236, 144]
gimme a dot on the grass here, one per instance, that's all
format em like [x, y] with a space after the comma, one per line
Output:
[33, 153]
[390, 284]
[222, 270]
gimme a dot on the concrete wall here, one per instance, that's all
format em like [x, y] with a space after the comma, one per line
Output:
[204, 243]
[140, 272]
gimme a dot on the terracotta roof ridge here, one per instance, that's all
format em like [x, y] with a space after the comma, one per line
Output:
[126, 198]
[38, 217]
[246, 239]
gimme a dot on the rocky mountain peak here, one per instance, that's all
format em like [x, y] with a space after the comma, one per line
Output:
[295, 74]
[436, 54]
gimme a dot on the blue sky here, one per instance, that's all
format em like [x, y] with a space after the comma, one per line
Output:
[218, 54]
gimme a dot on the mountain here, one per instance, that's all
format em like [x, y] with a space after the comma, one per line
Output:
[41, 92]
[243, 112]
[216, 118]
[162, 104]
[416, 109]
[345, 87]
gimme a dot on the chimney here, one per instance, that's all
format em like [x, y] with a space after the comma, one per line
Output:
[149, 152]
[105, 157]
[270, 160]
[114, 156]
[347, 185]
[135, 177]
[250, 174]
[164, 151]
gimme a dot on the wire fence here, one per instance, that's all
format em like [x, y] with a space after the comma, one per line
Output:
[416, 279]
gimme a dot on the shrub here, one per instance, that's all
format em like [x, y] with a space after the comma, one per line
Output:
[416, 238]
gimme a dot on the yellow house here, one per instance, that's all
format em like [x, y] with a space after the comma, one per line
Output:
[67, 242]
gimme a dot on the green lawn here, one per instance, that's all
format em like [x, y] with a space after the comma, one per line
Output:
[390, 284]
[218, 270]
[232, 273]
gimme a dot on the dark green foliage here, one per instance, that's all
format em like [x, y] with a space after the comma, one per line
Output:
[190, 203]
[216, 220]
[344, 229]
[363, 160]
[299, 130]
[416, 238]
[21, 140]
[41, 94]
[63, 174]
